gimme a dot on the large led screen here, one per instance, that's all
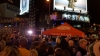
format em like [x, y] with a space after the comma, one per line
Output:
[70, 4]
[24, 6]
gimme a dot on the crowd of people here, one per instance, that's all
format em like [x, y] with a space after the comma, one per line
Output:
[15, 45]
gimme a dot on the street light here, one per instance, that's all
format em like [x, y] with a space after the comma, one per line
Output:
[49, 6]
[49, 12]
[48, 0]
[30, 32]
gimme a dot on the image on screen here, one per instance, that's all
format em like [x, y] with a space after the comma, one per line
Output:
[24, 6]
[70, 4]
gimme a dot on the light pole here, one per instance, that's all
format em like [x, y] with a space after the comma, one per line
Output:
[49, 7]
[49, 13]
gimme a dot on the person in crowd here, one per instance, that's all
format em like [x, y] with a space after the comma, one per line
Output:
[96, 48]
[37, 38]
[72, 48]
[22, 47]
[90, 47]
[50, 51]
[53, 43]
[35, 44]
[2, 44]
[76, 41]
[42, 48]
[82, 48]
[64, 43]
[58, 40]
[58, 52]
[29, 42]
[33, 50]
[48, 40]
[67, 53]
[91, 40]
[16, 43]
[10, 51]
[8, 41]
[71, 43]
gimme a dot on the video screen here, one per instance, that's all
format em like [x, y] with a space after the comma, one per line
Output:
[70, 4]
[24, 6]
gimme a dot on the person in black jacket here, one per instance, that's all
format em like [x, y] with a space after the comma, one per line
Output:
[82, 48]
[64, 45]
[72, 47]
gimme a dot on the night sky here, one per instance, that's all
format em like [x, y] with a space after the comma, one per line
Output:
[93, 8]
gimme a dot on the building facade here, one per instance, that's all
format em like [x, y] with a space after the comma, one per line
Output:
[8, 11]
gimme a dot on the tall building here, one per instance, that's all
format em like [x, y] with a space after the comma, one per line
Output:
[9, 8]
[8, 11]
[33, 14]
[12, 2]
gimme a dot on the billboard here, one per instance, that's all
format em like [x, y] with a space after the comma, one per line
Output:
[24, 6]
[77, 5]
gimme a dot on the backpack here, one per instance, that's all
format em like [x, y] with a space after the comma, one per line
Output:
[91, 49]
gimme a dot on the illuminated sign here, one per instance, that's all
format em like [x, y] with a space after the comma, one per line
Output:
[66, 16]
[24, 6]
[77, 5]
[63, 28]
[75, 17]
